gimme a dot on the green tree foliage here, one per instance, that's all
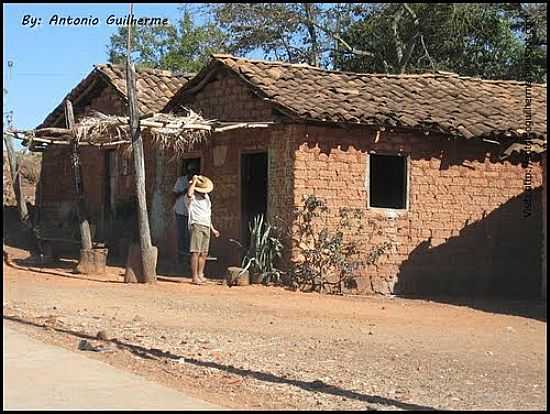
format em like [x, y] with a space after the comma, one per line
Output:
[292, 32]
[484, 40]
[473, 39]
[277, 29]
[184, 47]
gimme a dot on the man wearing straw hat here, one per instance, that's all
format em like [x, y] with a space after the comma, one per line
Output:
[200, 224]
[180, 208]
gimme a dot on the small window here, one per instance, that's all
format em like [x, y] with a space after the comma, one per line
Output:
[387, 181]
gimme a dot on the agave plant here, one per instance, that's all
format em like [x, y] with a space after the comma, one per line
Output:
[264, 249]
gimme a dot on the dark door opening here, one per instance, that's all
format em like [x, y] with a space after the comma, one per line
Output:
[190, 166]
[253, 190]
[109, 213]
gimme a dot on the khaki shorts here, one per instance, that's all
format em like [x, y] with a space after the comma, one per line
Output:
[200, 239]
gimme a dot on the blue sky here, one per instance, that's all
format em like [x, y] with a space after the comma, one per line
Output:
[48, 60]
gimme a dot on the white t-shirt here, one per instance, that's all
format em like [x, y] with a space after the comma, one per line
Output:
[180, 206]
[200, 210]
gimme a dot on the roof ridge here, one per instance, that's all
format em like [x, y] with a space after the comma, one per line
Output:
[162, 72]
[437, 74]
[155, 91]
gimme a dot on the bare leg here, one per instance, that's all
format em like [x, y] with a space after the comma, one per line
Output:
[202, 263]
[195, 267]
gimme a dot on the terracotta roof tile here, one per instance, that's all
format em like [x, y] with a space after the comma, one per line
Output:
[154, 87]
[442, 101]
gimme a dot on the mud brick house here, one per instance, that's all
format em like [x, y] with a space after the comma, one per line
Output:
[420, 154]
[107, 173]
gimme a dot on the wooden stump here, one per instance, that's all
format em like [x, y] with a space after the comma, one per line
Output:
[92, 261]
[235, 278]
[134, 268]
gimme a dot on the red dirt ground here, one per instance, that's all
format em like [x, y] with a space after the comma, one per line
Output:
[270, 348]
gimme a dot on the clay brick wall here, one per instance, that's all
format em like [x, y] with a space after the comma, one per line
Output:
[227, 98]
[221, 161]
[108, 101]
[464, 232]
[57, 179]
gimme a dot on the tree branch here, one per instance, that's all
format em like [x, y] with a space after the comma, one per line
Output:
[426, 52]
[397, 39]
[413, 40]
[335, 36]
[314, 53]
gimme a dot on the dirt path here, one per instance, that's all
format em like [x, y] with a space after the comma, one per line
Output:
[260, 347]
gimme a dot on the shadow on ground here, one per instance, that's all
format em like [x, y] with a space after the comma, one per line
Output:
[18, 236]
[15, 233]
[534, 308]
[312, 386]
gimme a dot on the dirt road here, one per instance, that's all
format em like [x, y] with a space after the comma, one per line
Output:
[267, 347]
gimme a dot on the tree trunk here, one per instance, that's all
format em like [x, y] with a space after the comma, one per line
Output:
[311, 18]
[15, 168]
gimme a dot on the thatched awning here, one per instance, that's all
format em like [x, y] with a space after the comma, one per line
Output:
[174, 132]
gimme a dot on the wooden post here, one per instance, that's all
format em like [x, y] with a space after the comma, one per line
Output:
[92, 261]
[148, 252]
[15, 168]
[85, 234]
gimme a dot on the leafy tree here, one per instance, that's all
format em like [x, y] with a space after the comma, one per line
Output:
[292, 32]
[149, 45]
[184, 47]
[271, 27]
[471, 39]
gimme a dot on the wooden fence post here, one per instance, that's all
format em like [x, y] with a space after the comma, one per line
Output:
[85, 234]
[92, 261]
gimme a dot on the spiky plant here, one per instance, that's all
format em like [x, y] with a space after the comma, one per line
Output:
[263, 251]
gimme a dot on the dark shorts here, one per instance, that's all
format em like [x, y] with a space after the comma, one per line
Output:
[200, 239]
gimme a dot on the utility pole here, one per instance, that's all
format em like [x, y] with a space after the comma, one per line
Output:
[146, 273]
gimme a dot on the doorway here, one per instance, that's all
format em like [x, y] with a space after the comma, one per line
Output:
[253, 190]
[110, 190]
[190, 165]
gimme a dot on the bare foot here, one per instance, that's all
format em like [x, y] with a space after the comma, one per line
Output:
[202, 278]
[197, 282]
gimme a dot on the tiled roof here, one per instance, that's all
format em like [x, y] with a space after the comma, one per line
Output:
[154, 87]
[442, 101]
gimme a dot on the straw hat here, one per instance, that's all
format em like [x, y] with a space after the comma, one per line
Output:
[204, 184]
